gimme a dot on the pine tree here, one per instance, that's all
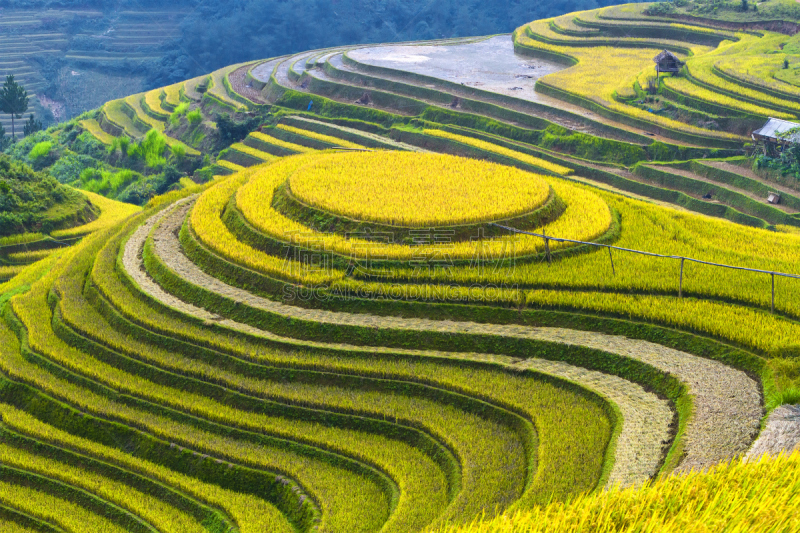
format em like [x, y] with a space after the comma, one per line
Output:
[32, 126]
[13, 100]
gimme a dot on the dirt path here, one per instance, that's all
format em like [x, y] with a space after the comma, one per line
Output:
[782, 433]
[646, 418]
[727, 403]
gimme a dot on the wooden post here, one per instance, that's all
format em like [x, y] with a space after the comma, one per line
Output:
[680, 286]
[772, 307]
[613, 271]
[547, 250]
[547, 247]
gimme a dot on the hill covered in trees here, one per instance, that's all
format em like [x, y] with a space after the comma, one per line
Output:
[34, 202]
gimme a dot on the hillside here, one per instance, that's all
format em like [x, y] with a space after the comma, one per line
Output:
[72, 59]
[38, 216]
[507, 283]
[32, 202]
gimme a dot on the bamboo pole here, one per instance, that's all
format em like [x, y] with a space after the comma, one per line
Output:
[547, 247]
[772, 307]
[613, 271]
[680, 286]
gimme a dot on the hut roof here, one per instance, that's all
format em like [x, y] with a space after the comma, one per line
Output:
[666, 54]
[775, 127]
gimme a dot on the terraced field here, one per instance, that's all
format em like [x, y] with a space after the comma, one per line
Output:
[410, 300]
[128, 38]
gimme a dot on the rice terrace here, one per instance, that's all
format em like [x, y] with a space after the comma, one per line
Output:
[545, 281]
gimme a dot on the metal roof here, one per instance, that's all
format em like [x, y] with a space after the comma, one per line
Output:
[776, 126]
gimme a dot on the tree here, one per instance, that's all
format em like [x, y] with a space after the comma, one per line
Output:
[32, 126]
[231, 131]
[13, 100]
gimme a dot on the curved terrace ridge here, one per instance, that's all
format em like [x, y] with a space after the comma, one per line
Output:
[646, 418]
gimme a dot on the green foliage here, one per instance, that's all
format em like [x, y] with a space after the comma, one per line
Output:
[194, 117]
[150, 150]
[153, 147]
[26, 196]
[330, 108]
[180, 111]
[178, 154]
[19, 150]
[553, 137]
[32, 126]
[660, 9]
[593, 148]
[204, 174]
[127, 185]
[86, 143]
[231, 131]
[786, 160]
[119, 145]
[41, 150]
[134, 151]
[733, 10]
[107, 183]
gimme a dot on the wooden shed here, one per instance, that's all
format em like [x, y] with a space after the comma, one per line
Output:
[666, 61]
[778, 131]
[775, 135]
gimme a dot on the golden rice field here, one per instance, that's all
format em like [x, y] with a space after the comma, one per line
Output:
[735, 496]
[712, 74]
[713, 318]
[586, 217]
[612, 69]
[376, 320]
[280, 143]
[409, 189]
[320, 137]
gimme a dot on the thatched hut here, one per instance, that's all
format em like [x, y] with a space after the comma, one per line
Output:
[666, 61]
